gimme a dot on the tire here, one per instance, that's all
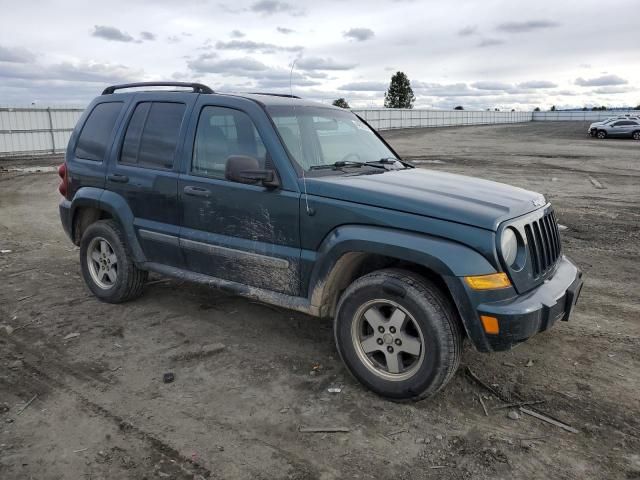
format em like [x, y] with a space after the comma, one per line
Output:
[107, 266]
[636, 135]
[379, 300]
[601, 134]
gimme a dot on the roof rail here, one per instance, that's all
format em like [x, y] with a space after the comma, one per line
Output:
[285, 95]
[197, 87]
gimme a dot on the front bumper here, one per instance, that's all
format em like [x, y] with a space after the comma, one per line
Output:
[519, 316]
[525, 315]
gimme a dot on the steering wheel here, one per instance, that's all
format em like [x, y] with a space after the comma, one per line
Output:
[349, 155]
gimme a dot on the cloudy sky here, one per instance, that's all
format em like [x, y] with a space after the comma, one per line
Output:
[490, 54]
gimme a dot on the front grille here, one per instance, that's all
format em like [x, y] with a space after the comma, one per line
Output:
[543, 241]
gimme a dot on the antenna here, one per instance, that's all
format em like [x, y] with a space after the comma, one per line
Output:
[293, 99]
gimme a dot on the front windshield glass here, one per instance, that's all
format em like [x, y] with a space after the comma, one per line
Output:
[317, 136]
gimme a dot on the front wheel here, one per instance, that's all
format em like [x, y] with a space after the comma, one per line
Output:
[601, 134]
[398, 334]
[636, 135]
[107, 266]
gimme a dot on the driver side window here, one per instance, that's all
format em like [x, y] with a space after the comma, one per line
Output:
[221, 133]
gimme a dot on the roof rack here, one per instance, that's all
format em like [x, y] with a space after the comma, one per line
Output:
[285, 95]
[197, 87]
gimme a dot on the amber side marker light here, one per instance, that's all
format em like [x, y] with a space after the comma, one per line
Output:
[490, 324]
[488, 282]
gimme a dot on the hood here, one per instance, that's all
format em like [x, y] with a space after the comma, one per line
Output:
[457, 198]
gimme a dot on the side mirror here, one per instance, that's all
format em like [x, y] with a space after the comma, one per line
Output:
[245, 169]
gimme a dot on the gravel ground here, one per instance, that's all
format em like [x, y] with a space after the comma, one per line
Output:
[248, 376]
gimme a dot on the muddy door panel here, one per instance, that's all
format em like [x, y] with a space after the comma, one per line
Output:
[243, 233]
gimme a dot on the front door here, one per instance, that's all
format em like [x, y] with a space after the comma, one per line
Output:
[243, 233]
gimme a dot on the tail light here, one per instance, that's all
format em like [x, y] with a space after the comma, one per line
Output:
[63, 188]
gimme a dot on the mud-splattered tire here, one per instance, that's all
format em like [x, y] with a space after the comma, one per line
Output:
[107, 266]
[636, 135]
[601, 134]
[398, 334]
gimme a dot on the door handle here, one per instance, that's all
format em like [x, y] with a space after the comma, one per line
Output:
[197, 191]
[116, 177]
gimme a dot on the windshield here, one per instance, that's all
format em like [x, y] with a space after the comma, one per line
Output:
[317, 136]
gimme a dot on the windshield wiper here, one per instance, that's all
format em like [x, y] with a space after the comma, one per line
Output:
[344, 163]
[390, 161]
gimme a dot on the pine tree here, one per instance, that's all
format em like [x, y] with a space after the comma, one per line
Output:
[400, 94]
[341, 102]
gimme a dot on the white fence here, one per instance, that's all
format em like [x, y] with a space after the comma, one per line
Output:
[582, 116]
[34, 130]
[387, 118]
[37, 130]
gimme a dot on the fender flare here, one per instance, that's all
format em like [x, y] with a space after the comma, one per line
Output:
[117, 207]
[445, 257]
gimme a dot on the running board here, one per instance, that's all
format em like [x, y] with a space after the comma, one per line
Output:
[289, 302]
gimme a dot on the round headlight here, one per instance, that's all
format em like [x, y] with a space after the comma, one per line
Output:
[509, 246]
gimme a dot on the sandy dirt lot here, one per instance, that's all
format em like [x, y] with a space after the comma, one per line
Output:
[248, 376]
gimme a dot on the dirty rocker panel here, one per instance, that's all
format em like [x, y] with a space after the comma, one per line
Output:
[291, 302]
[232, 253]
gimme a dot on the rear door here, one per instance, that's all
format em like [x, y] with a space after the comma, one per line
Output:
[144, 170]
[243, 233]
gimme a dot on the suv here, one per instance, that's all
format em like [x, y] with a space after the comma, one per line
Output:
[623, 128]
[304, 206]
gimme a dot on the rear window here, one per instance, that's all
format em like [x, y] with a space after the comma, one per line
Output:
[152, 135]
[96, 132]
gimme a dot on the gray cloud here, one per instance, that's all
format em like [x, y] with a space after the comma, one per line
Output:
[16, 55]
[468, 30]
[174, 39]
[147, 36]
[484, 85]
[319, 63]
[237, 34]
[526, 26]
[602, 81]
[111, 33]
[284, 30]
[490, 42]
[359, 34]
[251, 46]
[70, 72]
[612, 90]
[271, 7]
[364, 86]
[537, 84]
[235, 66]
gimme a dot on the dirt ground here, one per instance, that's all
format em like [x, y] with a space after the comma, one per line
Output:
[100, 410]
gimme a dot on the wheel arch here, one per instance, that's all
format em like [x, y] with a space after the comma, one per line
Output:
[92, 204]
[350, 252]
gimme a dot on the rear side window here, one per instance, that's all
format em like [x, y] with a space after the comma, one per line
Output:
[96, 132]
[152, 135]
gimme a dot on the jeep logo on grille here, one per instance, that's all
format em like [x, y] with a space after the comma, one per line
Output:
[538, 202]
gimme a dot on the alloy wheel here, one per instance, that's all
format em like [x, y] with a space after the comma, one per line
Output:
[388, 340]
[102, 262]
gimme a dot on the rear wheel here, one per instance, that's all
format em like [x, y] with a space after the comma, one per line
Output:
[636, 135]
[107, 267]
[601, 134]
[398, 334]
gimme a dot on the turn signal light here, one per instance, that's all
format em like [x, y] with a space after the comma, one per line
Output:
[488, 282]
[490, 324]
